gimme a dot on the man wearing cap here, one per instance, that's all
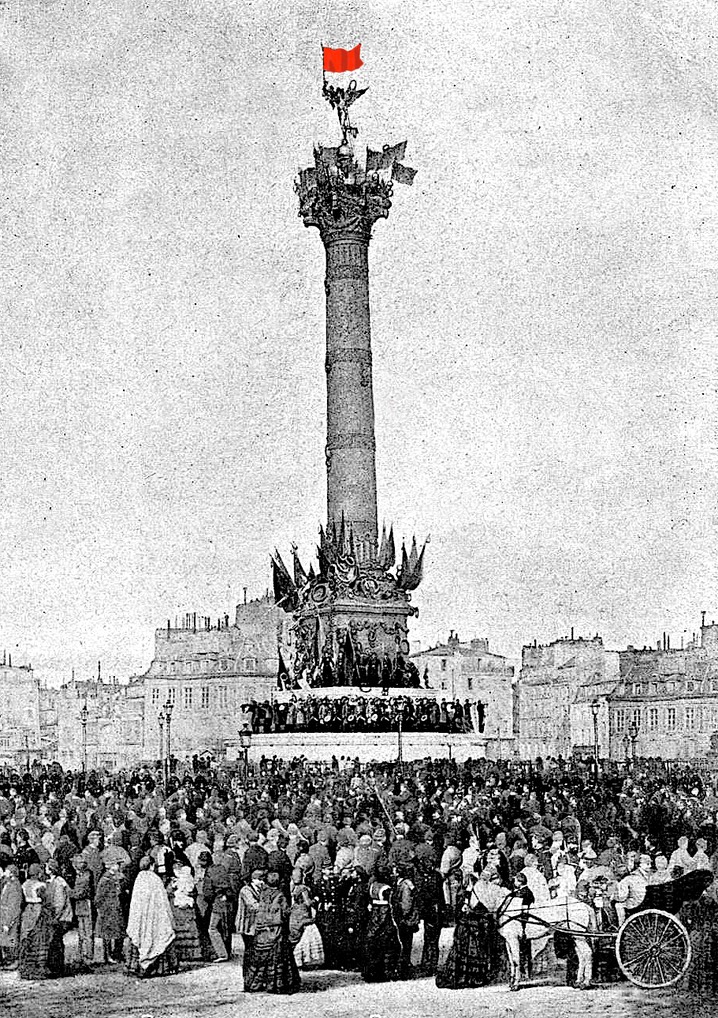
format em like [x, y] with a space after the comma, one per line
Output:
[82, 895]
[700, 860]
[233, 862]
[631, 889]
[255, 858]
[217, 890]
[246, 925]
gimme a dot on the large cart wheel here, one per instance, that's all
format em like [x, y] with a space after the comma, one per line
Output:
[653, 949]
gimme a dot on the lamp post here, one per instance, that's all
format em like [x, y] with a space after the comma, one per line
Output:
[595, 708]
[169, 707]
[161, 721]
[626, 744]
[400, 747]
[633, 732]
[84, 713]
[245, 741]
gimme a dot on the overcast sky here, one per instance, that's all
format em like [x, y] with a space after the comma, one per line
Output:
[543, 313]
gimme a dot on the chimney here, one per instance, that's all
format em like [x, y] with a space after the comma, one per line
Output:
[245, 594]
[226, 621]
[194, 622]
[571, 633]
[668, 641]
[99, 671]
[703, 619]
[168, 629]
[9, 660]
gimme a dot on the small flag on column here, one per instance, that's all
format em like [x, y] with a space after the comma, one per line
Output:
[336, 61]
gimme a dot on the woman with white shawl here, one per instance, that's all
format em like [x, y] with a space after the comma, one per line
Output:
[150, 926]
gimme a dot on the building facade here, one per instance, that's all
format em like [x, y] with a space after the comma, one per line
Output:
[19, 713]
[207, 672]
[666, 702]
[562, 686]
[112, 734]
[469, 670]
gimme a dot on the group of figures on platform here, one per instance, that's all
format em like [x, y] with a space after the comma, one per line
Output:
[366, 714]
[351, 667]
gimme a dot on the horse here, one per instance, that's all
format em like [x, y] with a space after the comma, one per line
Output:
[537, 923]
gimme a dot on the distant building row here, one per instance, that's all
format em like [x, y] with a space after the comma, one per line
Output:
[570, 695]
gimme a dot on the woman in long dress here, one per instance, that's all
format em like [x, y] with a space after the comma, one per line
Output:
[382, 946]
[272, 967]
[701, 920]
[111, 922]
[36, 927]
[182, 894]
[150, 926]
[304, 936]
[477, 956]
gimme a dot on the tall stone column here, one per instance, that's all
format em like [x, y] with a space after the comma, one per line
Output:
[351, 615]
[343, 203]
[351, 469]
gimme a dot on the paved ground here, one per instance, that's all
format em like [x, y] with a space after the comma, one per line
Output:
[215, 991]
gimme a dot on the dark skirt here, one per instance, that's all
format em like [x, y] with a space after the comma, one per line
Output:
[36, 936]
[476, 956]
[187, 943]
[166, 965]
[701, 919]
[382, 947]
[269, 965]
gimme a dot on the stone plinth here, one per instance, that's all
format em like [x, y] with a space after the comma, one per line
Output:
[368, 747]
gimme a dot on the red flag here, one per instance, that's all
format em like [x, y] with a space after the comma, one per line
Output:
[338, 60]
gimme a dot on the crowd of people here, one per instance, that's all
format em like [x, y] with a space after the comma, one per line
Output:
[365, 714]
[339, 865]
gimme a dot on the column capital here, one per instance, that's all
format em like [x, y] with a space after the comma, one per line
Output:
[341, 200]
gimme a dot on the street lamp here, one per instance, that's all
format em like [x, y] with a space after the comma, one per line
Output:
[595, 708]
[161, 720]
[400, 747]
[626, 744]
[633, 732]
[169, 707]
[245, 741]
[84, 713]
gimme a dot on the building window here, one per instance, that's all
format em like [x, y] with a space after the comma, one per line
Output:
[469, 682]
[443, 664]
[653, 718]
[690, 686]
[205, 697]
[187, 698]
[173, 667]
[671, 719]
[187, 667]
[620, 720]
[690, 717]
[172, 694]
[224, 664]
[637, 718]
[155, 695]
[222, 696]
[637, 689]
